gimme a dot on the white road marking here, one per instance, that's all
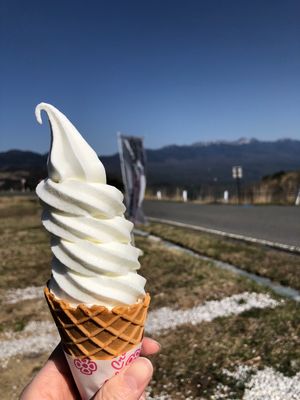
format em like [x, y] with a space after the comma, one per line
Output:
[276, 245]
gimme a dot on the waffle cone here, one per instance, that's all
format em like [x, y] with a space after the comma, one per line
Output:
[96, 332]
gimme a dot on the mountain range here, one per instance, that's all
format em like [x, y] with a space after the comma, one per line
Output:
[189, 165]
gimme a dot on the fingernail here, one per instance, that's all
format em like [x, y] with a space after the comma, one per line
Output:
[138, 374]
[157, 344]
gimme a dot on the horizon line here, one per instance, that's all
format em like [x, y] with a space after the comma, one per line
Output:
[240, 141]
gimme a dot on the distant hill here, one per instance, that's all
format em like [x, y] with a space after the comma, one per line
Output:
[199, 163]
[212, 162]
[283, 186]
[14, 160]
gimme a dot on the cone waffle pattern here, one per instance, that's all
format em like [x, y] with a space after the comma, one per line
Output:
[96, 332]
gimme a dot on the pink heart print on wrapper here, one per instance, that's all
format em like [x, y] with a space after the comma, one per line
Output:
[95, 294]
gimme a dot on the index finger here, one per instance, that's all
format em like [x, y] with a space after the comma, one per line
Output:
[149, 346]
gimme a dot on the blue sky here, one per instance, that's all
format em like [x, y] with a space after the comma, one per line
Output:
[171, 71]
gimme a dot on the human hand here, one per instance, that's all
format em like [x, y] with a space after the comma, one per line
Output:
[55, 381]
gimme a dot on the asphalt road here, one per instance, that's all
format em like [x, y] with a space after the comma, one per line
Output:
[279, 224]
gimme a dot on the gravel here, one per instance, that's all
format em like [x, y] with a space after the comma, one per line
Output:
[272, 385]
[167, 318]
[36, 338]
[13, 296]
[265, 384]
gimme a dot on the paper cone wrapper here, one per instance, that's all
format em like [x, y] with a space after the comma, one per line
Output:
[98, 342]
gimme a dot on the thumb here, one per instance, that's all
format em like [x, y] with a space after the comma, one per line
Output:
[129, 384]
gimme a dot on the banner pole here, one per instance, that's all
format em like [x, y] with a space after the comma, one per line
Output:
[123, 171]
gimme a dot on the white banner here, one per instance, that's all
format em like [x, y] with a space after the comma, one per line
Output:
[133, 164]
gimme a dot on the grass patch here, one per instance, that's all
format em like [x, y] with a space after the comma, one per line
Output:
[25, 252]
[17, 206]
[192, 358]
[181, 281]
[19, 325]
[277, 265]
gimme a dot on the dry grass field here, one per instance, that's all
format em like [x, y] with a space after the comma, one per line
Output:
[222, 336]
[277, 265]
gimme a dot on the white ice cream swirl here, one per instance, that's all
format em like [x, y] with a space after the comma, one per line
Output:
[94, 261]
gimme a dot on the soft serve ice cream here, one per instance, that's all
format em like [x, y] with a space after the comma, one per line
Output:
[94, 261]
[95, 295]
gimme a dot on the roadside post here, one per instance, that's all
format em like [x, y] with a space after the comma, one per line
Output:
[184, 196]
[297, 202]
[23, 182]
[237, 174]
[226, 196]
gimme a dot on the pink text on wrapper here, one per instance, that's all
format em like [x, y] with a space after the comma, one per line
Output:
[85, 366]
[121, 361]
